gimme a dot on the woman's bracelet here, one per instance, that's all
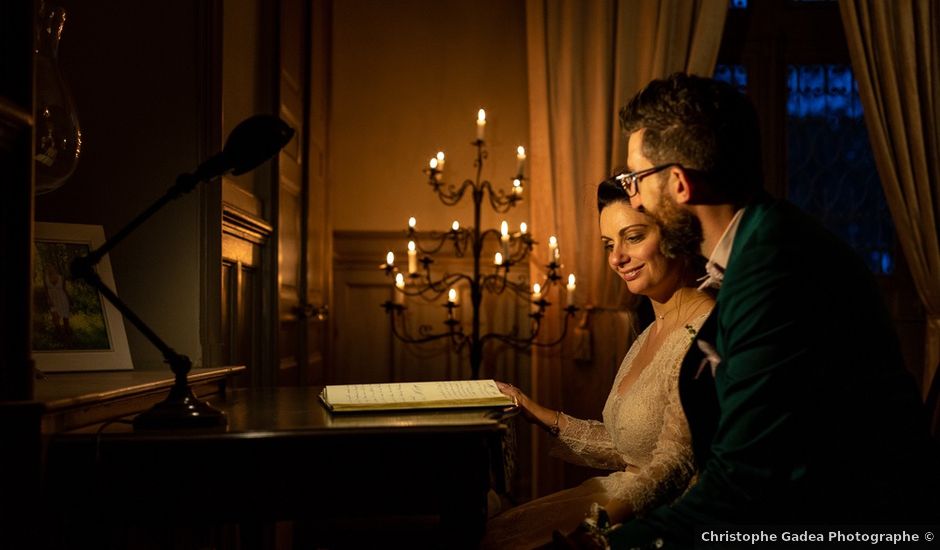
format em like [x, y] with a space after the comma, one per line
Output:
[554, 429]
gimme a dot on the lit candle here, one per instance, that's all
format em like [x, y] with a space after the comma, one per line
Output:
[440, 160]
[504, 236]
[390, 259]
[455, 226]
[498, 259]
[517, 187]
[412, 257]
[400, 285]
[520, 160]
[523, 228]
[481, 123]
[452, 296]
[435, 172]
[536, 291]
[412, 222]
[553, 248]
[570, 287]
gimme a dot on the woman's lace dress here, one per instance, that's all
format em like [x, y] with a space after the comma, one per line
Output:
[644, 437]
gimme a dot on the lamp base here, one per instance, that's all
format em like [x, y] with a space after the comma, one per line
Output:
[180, 410]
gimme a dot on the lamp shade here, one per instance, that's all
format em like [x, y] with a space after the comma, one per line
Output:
[253, 141]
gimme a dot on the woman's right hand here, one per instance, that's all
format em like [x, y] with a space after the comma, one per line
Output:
[532, 411]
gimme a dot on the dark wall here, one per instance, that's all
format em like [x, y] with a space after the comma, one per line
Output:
[133, 68]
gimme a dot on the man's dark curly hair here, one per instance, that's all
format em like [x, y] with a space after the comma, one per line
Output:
[705, 125]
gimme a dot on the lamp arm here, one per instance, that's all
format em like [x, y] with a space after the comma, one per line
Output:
[184, 184]
[83, 268]
[251, 142]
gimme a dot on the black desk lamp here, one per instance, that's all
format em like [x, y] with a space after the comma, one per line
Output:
[252, 142]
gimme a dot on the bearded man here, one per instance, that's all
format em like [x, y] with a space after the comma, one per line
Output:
[800, 408]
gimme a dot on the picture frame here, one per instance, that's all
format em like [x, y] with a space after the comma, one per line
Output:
[74, 327]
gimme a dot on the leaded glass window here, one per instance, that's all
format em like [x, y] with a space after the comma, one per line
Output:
[732, 74]
[830, 169]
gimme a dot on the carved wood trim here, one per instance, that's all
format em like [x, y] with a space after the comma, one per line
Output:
[244, 225]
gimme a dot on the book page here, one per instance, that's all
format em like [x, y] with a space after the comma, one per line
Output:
[412, 392]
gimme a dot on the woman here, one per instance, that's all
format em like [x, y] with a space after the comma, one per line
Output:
[644, 436]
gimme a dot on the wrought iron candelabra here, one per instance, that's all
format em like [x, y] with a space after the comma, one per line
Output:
[418, 281]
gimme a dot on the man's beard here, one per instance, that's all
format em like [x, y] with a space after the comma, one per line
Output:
[680, 230]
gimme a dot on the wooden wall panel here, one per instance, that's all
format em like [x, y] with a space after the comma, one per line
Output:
[245, 237]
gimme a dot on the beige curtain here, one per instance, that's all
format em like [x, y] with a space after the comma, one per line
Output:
[896, 60]
[585, 58]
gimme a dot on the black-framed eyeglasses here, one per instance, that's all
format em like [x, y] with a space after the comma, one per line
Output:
[630, 181]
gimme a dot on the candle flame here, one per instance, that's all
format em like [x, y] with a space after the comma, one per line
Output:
[433, 163]
[516, 183]
[481, 116]
[399, 280]
[390, 258]
[440, 156]
[411, 246]
[504, 228]
[536, 289]
[455, 226]
[452, 295]
[520, 152]
[523, 227]
[499, 259]
[412, 222]
[571, 279]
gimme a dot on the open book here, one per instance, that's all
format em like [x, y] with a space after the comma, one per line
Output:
[414, 395]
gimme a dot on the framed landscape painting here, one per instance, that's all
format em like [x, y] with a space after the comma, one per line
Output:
[74, 327]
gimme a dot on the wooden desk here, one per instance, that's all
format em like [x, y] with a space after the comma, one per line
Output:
[71, 400]
[284, 456]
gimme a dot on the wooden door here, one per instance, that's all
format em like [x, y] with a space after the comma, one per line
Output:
[303, 227]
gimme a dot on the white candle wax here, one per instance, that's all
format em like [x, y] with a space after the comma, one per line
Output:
[399, 288]
[412, 257]
[571, 287]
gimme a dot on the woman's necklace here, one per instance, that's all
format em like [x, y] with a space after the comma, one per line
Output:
[678, 300]
[661, 316]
